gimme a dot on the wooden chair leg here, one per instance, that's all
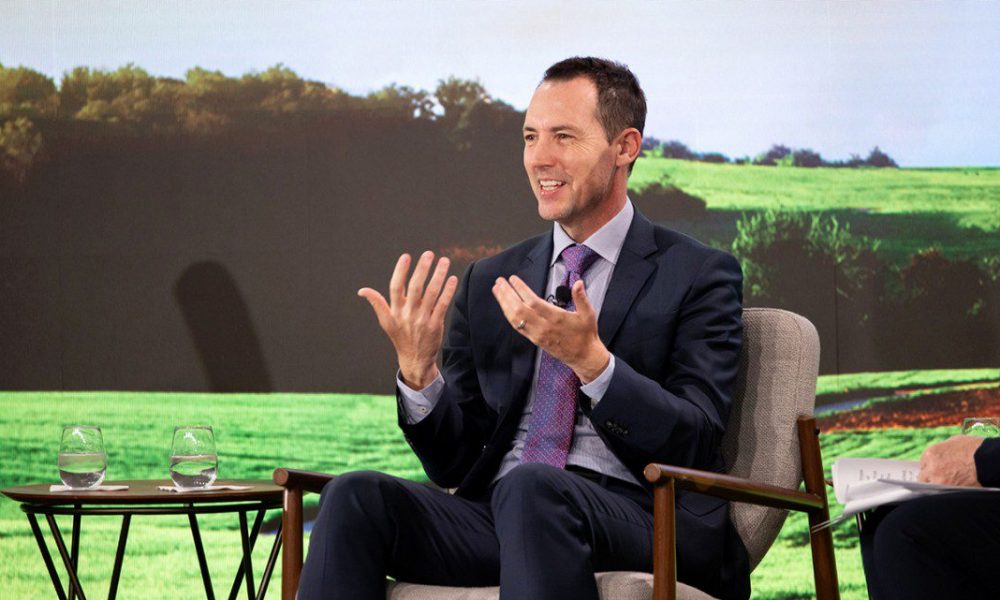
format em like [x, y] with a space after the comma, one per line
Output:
[291, 541]
[821, 542]
[664, 542]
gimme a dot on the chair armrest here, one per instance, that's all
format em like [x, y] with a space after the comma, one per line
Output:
[307, 481]
[734, 488]
[295, 483]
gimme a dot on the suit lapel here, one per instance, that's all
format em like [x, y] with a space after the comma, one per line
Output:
[631, 272]
[534, 271]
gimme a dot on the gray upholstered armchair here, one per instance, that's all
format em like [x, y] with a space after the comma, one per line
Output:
[771, 446]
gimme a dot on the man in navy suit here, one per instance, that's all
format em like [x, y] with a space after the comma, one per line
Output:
[549, 402]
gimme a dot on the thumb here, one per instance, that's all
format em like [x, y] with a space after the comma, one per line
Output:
[580, 300]
[378, 303]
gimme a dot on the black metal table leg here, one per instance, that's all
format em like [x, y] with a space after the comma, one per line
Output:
[74, 548]
[44, 549]
[61, 546]
[205, 577]
[271, 561]
[258, 521]
[246, 554]
[119, 557]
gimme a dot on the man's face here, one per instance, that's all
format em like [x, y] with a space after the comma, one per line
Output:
[567, 154]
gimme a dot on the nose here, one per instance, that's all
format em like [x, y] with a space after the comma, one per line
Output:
[540, 154]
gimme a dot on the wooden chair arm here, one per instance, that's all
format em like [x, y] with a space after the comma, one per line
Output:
[307, 481]
[295, 482]
[734, 488]
[667, 480]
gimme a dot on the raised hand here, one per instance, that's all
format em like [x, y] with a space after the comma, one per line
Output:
[568, 336]
[413, 318]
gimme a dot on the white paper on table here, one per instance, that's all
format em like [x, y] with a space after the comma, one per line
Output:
[210, 488]
[96, 488]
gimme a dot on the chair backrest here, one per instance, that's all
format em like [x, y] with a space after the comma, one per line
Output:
[777, 383]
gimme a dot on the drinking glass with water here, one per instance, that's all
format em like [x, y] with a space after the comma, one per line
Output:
[193, 460]
[83, 462]
[981, 426]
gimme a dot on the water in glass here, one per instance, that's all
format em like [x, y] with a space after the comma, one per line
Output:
[83, 462]
[193, 470]
[193, 460]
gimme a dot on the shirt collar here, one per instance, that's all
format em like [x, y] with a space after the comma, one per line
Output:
[606, 242]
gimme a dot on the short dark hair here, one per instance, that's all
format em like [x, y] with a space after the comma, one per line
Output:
[620, 101]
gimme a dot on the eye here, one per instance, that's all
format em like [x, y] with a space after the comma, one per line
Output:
[563, 136]
[529, 137]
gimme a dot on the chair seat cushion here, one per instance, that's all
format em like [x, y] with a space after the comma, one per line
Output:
[612, 585]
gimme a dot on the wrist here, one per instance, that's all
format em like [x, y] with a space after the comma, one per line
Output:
[417, 377]
[593, 363]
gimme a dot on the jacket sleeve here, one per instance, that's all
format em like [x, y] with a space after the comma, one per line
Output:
[680, 418]
[450, 438]
[987, 459]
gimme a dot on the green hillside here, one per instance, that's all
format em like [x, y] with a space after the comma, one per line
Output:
[908, 209]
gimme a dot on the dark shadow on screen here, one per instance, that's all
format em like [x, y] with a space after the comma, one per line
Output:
[221, 329]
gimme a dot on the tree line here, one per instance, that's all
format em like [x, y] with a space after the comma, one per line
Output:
[208, 102]
[776, 155]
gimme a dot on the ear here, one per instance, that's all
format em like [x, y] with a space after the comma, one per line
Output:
[628, 146]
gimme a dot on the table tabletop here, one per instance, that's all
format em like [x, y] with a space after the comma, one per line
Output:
[145, 491]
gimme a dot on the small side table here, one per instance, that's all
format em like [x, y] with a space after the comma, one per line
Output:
[143, 498]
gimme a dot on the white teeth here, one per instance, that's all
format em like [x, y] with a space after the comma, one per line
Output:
[549, 184]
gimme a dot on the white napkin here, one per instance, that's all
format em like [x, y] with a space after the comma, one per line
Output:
[211, 488]
[99, 488]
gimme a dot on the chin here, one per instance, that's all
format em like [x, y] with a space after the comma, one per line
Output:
[550, 211]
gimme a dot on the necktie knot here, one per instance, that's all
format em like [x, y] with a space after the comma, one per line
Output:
[578, 258]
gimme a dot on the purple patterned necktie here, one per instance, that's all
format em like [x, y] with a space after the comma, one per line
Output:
[553, 414]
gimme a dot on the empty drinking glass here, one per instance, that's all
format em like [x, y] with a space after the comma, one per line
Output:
[82, 459]
[193, 461]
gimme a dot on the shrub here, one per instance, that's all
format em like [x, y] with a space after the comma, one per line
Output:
[662, 202]
[773, 155]
[675, 149]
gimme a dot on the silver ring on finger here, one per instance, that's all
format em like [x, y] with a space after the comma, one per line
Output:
[521, 324]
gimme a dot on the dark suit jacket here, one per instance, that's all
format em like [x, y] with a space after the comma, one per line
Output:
[671, 317]
[987, 460]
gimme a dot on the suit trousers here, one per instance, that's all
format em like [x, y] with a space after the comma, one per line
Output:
[944, 546]
[540, 533]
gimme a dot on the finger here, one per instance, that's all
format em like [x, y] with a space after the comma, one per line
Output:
[436, 282]
[378, 303]
[528, 295]
[398, 279]
[581, 301]
[510, 302]
[441, 306]
[416, 287]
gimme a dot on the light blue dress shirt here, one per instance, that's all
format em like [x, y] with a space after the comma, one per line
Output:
[587, 449]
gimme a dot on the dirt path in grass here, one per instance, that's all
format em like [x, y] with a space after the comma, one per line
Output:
[932, 410]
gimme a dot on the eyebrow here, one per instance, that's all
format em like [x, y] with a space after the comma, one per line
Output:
[553, 128]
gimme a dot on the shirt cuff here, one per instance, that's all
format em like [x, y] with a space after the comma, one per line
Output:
[417, 404]
[595, 389]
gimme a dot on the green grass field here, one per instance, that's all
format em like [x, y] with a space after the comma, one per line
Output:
[256, 433]
[908, 209]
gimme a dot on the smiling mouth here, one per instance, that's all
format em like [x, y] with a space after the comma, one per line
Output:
[550, 185]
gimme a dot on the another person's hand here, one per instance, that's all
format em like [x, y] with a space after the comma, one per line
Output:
[413, 318]
[568, 336]
[951, 462]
